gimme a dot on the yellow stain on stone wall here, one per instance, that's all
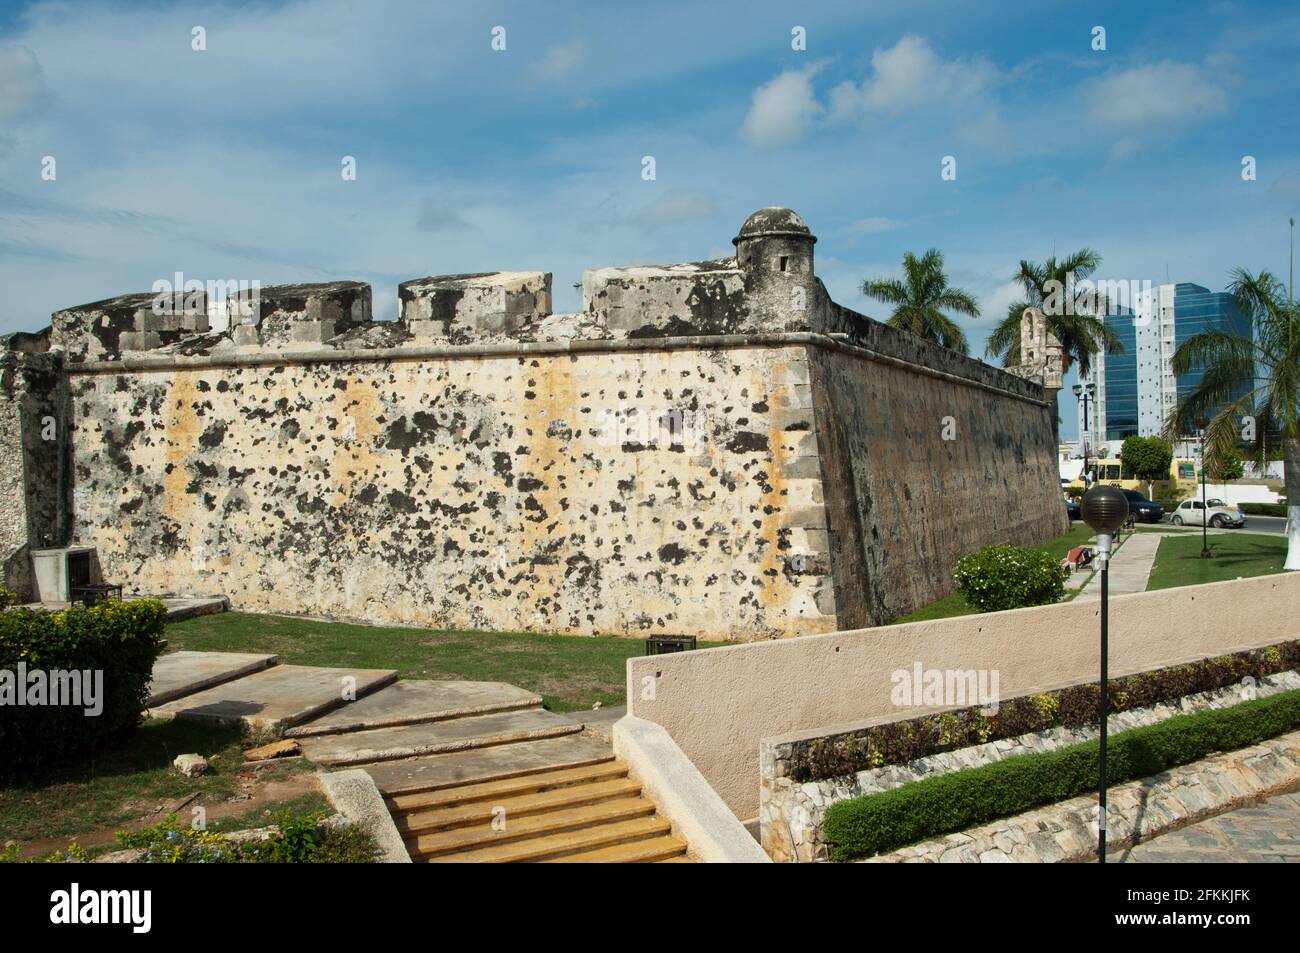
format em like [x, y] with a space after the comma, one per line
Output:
[182, 436]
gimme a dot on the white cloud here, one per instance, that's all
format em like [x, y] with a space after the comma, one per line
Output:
[561, 59]
[870, 226]
[988, 132]
[675, 208]
[910, 74]
[1163, 92]
[782, 110]
[23, 94]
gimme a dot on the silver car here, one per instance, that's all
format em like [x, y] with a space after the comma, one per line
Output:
[1218, 514]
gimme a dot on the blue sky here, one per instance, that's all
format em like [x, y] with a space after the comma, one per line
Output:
[225, 163]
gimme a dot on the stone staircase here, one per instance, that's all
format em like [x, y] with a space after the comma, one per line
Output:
[594, 813]
[472, 772]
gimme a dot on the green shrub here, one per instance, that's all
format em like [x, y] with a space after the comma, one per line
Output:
[1263, 509]
[300, 839]
[1072, 707]
[874, 823]
[1009, 577]
[119, 641]
[7, 597]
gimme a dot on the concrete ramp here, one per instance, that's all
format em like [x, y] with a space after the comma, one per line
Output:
[184, 673]
[277, 697]
[416, 701]
[460, 734]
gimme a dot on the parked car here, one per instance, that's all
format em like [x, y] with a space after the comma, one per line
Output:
[1217, 514]
[1143, 510]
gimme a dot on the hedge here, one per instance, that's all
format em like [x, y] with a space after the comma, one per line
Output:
[869, 825]
[1073, 707]
[121, 640]
[1263, 509]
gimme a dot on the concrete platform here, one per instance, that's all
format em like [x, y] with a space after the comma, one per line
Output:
[416, 701]
[184, 673]
[408, 741]
[178, 607]
[486, 764]
[598, 722]
[276, 698]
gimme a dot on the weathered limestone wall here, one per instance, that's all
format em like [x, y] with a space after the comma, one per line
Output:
[33, 466]
[923, 468]
[711, 448]
[474, 492]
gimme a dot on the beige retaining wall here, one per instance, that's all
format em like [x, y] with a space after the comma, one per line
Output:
[719, 703]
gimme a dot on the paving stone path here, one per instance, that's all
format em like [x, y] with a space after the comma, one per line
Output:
[1130, 567]
[1266, 833]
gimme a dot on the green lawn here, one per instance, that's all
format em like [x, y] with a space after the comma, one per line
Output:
[569, 672]
[1179, 562]
[954, 604]
[126, 781]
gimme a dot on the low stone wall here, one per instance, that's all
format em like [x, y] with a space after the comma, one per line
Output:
[718, 704]
[791, 813]
[711, 831]
[1135, 812]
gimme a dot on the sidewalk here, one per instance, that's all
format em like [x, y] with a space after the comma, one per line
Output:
[1130, 567]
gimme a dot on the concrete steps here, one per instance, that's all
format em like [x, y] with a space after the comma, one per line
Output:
[276, 698]
[416, 701]
[591, 813]
[425, 738]
[472, 772]
[482, 765]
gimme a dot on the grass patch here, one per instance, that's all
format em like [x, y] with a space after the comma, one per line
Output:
[954, 604]
[875, 823]
[569, 672]
[1179, 563]
[121, 782]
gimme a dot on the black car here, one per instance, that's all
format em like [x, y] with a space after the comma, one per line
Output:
[1143, 510]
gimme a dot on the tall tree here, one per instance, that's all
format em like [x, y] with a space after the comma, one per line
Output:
[1076, 321]
[921, 298]
[1249, 388]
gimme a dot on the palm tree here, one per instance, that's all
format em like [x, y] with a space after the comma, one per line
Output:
[1076, 324]
[1257, 378]
[921, 298]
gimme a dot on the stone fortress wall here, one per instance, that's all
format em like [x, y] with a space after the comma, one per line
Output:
[714, 449]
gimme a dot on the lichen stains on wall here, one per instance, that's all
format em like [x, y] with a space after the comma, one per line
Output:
[550, 493]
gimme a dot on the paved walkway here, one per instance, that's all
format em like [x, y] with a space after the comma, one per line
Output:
[1267, 833]
[1130, 567]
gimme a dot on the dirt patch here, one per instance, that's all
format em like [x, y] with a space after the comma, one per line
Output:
[254, 795]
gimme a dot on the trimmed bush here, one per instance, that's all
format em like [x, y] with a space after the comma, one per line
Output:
[7, 597]
[874, 823]
[121, 640]
[1263, 509]
[1072, 707]
[1009, 577]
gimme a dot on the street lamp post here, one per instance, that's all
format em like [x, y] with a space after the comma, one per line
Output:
[1205, 502]
[1085, 393]
[1104, 509]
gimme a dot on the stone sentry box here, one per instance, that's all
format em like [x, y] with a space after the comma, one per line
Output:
[455, 468]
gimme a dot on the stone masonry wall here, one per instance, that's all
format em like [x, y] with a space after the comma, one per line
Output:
[792, 813]
[921, 470]
[33, 471]
[711, 448]
[478, 492]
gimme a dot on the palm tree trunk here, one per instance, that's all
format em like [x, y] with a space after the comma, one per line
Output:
[1291, 458]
